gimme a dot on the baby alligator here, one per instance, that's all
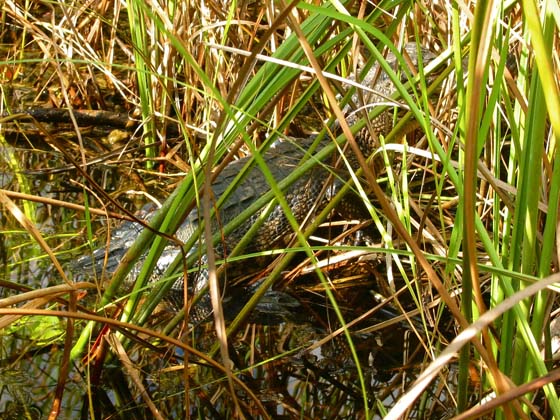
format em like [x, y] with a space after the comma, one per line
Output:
[306, 198]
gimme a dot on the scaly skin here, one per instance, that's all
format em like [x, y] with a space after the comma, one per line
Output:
[306, 198]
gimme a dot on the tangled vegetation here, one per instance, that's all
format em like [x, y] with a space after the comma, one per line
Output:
[449, 310]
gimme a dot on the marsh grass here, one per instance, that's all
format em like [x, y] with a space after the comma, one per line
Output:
[462, 192]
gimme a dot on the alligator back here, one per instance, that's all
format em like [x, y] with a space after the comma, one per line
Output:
[303, 196]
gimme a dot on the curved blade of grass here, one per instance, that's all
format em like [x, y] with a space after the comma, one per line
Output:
[461, 340]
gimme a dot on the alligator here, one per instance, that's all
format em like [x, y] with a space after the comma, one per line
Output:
[302, 196]
[306, 198]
